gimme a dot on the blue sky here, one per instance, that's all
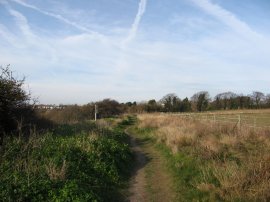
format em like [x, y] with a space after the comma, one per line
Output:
[86, 50]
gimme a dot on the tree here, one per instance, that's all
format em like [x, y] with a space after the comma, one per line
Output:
[226, 100]
[171, 103]
[217, 103]
[108, 108]
[201, 100]
[185, 105]
[257, 97]
[152, 106]
[267, 100]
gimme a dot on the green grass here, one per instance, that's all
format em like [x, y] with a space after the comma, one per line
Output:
[184, 168]
[78, 162]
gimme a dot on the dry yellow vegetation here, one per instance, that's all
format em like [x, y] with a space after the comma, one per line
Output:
[234, 165]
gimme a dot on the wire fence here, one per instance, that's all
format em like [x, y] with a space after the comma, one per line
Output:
[253, 120]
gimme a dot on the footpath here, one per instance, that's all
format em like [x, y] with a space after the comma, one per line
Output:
[151, 180]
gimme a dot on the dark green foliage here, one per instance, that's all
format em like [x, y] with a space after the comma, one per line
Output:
[78, 162]
[108, 108]
[171, 103]
[12, 99]
[17, 116]
[201, 100]
[185, 105]
[153, 106]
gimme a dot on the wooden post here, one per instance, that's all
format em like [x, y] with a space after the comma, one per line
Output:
[96, 111]
[239, 121]
[255, 122]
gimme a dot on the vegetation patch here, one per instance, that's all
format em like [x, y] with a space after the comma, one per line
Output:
[212, 163]
[79, 162]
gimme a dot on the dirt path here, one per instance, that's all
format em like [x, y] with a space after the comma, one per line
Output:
[151, 180]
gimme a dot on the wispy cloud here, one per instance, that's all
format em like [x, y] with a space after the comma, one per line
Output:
[7, 35]
[22, 23]
[227, 18]
[58, 17]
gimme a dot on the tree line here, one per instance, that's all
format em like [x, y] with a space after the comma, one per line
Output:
[201, 101]
[18, 112]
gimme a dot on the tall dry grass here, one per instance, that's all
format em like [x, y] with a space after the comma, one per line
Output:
[235, 164]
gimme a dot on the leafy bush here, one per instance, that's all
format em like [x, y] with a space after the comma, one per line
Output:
[12, 98]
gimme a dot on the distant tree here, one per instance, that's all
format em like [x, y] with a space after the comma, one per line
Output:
[129, 104]
[226, 100]
[109, 108]
[152, 102]
[137, 108]
[257, 97]
[171, 103]
[185, 105]
[153, 106]
[201, 100]
[267, 100]
[217, 103]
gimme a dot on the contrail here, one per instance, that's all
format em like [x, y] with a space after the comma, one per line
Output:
[58, 17]
[134, 28]
[122, 63]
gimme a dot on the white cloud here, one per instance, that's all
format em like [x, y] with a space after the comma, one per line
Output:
[58, 17]
[23, 24]
[227, 18]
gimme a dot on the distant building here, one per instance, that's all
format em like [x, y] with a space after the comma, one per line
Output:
[50, 107]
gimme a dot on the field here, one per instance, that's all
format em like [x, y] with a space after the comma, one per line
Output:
[220, 156]
[246, 118]
[214, 161]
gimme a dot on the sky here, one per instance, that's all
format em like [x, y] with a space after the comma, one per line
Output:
[135, 50]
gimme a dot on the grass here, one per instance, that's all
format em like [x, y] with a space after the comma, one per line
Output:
[158, 180]
[213, 162]
[75, 162]
[250, 118]
[182, 168]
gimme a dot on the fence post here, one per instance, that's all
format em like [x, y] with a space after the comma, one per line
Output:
[96, 111]
[214, 118]
[255, 122]
[239, 121]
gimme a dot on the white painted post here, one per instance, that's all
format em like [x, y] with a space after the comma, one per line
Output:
[96, 111]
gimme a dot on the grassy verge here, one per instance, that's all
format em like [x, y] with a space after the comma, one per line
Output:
[183, 168]
[213, 162]
[78, 162]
